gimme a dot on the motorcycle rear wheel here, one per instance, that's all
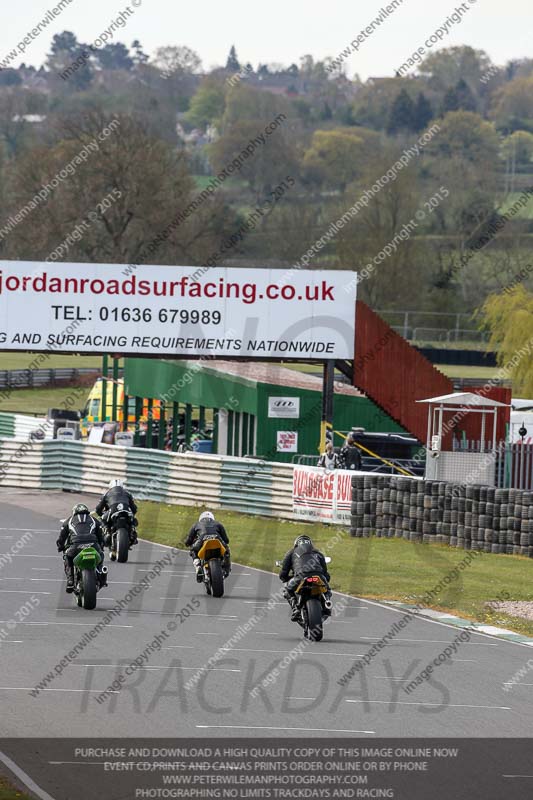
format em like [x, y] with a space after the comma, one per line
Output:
[217, 578]
[88, 589]
[123, 545]
[314, 620]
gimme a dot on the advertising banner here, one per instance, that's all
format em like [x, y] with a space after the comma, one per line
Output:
[182, 311]
[319, 495]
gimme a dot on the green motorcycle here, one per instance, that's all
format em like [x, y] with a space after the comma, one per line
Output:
[88, 578]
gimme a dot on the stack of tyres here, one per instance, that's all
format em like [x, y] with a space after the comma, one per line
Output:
[357, 506]
[524, 524]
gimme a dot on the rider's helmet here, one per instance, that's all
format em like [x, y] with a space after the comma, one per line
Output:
[115, 482]
[80, 508]
[302, 540]
[206, 515]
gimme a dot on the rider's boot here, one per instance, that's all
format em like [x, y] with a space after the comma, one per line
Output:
[295, 616]
[70, 579]
[199, 571]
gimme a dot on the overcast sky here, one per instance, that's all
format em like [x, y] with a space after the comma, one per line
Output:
[280, 31]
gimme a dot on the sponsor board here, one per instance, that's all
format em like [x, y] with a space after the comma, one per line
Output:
[181, 311]
[284, 407]
[321, 495]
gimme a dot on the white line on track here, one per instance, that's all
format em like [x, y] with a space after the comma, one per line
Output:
[430, 641]
[31, 530]
[512, 683]
[264, 605]
[21, 591]
[17, 641]
[26, 780]
[62, 580]
[448, 705]
[284, 728]
[300, 698]
[32, 688]
[83, 624]
[169, 572]
[41, 569]
[27, 555]
[284, 652]
[170, 666]
[517, 776]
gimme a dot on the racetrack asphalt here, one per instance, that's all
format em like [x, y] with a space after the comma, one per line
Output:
[465, 697]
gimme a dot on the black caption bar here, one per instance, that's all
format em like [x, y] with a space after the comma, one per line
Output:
[405, 769]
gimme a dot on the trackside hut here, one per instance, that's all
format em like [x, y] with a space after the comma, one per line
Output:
[258, 408]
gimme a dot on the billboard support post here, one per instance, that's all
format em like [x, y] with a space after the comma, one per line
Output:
[104, 388]
[114, 395]
[175, 422]
[125, 410]
[327, 401]
[138, 414]
[150, 426]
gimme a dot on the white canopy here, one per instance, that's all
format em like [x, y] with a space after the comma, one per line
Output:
[464, 399]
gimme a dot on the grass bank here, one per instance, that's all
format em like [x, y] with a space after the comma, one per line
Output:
[38, 401]
[8, 792]
[391, 569]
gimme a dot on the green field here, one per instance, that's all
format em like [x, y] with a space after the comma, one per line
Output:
[483, 373]
[38, 401]
[23, 360]
[391, 569]
[7, 792]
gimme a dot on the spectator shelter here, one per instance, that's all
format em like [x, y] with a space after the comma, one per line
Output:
[450, 459]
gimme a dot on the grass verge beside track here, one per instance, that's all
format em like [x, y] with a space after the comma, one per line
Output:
[38, 401]
[380, 569]
[8, 792]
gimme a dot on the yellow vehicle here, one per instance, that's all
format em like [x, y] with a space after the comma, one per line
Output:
[93, 411]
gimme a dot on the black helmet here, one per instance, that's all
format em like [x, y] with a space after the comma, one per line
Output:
[80, 508]
[302, 540]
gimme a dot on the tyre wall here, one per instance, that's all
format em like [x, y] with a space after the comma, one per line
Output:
[471, 517]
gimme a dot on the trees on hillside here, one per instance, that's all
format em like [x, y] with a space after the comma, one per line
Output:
[512, 107]
[147, 185]
[336, 157]
[509, 318]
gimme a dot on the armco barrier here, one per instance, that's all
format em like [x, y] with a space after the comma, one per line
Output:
[247, 485]
[471, 517]
[21, 426]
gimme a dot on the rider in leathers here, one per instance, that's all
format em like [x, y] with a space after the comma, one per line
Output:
[302, 560]
[77, 532]
[116, 495]
[205, 527]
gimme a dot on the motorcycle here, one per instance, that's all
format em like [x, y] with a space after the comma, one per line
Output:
[120, 526]
[88, 579]
[211, 555]
[312, 603]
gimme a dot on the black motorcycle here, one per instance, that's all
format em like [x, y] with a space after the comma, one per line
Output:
[120, 528]
[313, 604]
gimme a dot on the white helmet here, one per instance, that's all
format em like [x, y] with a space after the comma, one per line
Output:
[114, 483]
[206, 515]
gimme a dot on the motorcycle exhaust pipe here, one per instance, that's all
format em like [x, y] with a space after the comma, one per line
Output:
[328, 604]
[104, 570]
